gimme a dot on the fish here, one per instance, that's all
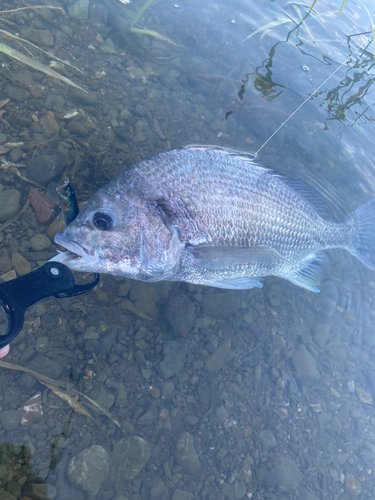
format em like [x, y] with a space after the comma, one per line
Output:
[211, 216]
[69, 205]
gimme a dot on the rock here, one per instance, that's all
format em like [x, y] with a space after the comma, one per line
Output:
[181, 495]
[4, 495]
[39, 491]
[31, 409]
[267, 439]
[16, 93]
[220, 305]
[9, 204]
[20, 264]
[89, 469]
[235, 490]
[43, 169]
[352, 485]
[55, 227]
[124, 288]
[90, 333]
[49, 123]
[129, 456]
[321, 333]
[305, 494]
[11, 275]
[121, 395]
[41, 344]
[279, 475]
[40, 37]
[42, 207]
[79, 9]
[81, 96]
[40, 242]
[103, 397]
[304, 363]
[186, 454]
[5, 261]
[180, 313]
[216, 360]
[147, 418]
[15, 155]
[9, 419]
[174, 358]
[78, 128]
[46, 366]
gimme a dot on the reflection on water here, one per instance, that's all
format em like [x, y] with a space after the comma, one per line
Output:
[194, 392]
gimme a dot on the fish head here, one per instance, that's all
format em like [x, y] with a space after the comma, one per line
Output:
[120, 234]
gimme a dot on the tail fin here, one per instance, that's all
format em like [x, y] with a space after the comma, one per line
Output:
[363, 244]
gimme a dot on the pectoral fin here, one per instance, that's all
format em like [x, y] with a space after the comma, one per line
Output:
[219, 258]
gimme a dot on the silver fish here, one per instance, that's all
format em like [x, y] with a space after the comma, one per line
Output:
[210, 216]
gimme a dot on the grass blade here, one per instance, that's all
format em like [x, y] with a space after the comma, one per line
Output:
[281, 20]
[49, 54]
[371, 26]
[15, 54]
[342, 7]
[153, 33]
[139, 14]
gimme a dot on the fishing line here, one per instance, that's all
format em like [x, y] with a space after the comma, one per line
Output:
[312, 95]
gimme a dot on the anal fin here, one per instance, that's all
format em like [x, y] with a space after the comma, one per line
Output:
[309, 275]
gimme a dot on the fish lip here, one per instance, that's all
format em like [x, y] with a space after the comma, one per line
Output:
[80, 251]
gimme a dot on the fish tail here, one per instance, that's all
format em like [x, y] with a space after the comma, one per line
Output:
[362, 225]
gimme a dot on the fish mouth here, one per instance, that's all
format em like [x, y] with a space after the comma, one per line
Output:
[77, 253]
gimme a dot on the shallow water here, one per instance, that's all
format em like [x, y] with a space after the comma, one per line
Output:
[212, 394]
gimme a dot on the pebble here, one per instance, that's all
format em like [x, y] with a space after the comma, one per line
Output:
[181, 495]
[91, 333]
[267, 439]
[55, 227]
[46, 366]
[129, 457]
[180, 314]
[174, 359]
[45, 168]
[9, 419]
[40, 242]
[5, 495]
[5, 261]
[9, 204]
[220, 305]
[304, 363]
[352, 485]
[103, 397]
[41, 343]
[78, 128]
[42, 37]
[49, 123]
[89, 469]
[20, 264]
[42, 207]
[39, 491]
[279, 474]
[16, 93]
[216, 360]
[186, 454]
[31, 409]
[15, 155]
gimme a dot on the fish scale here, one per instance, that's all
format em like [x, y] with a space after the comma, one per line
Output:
[211, 216]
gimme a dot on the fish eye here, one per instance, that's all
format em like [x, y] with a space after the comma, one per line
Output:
[102, 221]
